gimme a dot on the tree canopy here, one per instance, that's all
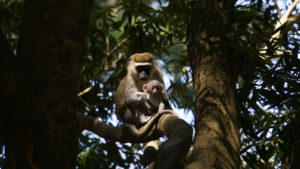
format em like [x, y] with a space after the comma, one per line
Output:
[260, 37]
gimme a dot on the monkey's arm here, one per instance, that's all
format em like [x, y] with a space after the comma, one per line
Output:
[164, 104]
[161, 106]
[135, 97]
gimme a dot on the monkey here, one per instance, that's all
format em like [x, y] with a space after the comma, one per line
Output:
[157, 101]
[132, 104]
[156, 104]
[156, 95]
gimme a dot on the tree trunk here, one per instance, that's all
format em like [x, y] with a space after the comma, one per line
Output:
[45, 126]
[295, 157]
[8, 83]
[217, 140]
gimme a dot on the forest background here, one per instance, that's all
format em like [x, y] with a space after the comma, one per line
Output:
[64, 58]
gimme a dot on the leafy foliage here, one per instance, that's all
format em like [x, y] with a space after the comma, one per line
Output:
[266, 72]
[10, 19]
[268, 89]
[117, 31]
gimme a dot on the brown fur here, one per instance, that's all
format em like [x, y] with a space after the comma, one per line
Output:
[130, 86]
[142, 57]
[157, 95]
[132, 83]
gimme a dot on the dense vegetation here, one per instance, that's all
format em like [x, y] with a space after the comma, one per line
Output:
[266, 69]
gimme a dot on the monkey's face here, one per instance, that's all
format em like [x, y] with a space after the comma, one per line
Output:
[153, 87]
[143, 70]
[156, 89]
[142, 65]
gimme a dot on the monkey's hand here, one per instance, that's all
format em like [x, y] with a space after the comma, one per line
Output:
[141, 96]
[136, 98]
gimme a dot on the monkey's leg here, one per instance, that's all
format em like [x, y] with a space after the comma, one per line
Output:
[150, 151]
[172, 152]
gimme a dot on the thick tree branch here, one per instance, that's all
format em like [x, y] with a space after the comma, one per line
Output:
[170, 154]
[119, 134]
[101, 129]
[283, 19]
[291, 20]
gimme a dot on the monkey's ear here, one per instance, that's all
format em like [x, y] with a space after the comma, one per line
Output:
[145, 87]
[130, 58]
[161, 85]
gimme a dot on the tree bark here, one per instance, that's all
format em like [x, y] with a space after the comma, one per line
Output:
[51, 45]
[217, 140]
[8, 83]
[7, 78]
[295, 155]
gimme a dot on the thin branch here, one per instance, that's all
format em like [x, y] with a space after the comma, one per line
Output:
[245, 149]
[108, 53]
[261, 110]
[277, 8]
[82, 93]
[107, 45]
[85, 91]
[117, 46]
[85, 102]
[283, 20]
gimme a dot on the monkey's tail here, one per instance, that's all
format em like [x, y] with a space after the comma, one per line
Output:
[148, 126]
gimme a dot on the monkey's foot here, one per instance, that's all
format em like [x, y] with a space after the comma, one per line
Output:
[149, 155]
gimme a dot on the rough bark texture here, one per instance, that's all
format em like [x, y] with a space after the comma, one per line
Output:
[7, 84]
[295, 157]
[52, 40]
[217, 141]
